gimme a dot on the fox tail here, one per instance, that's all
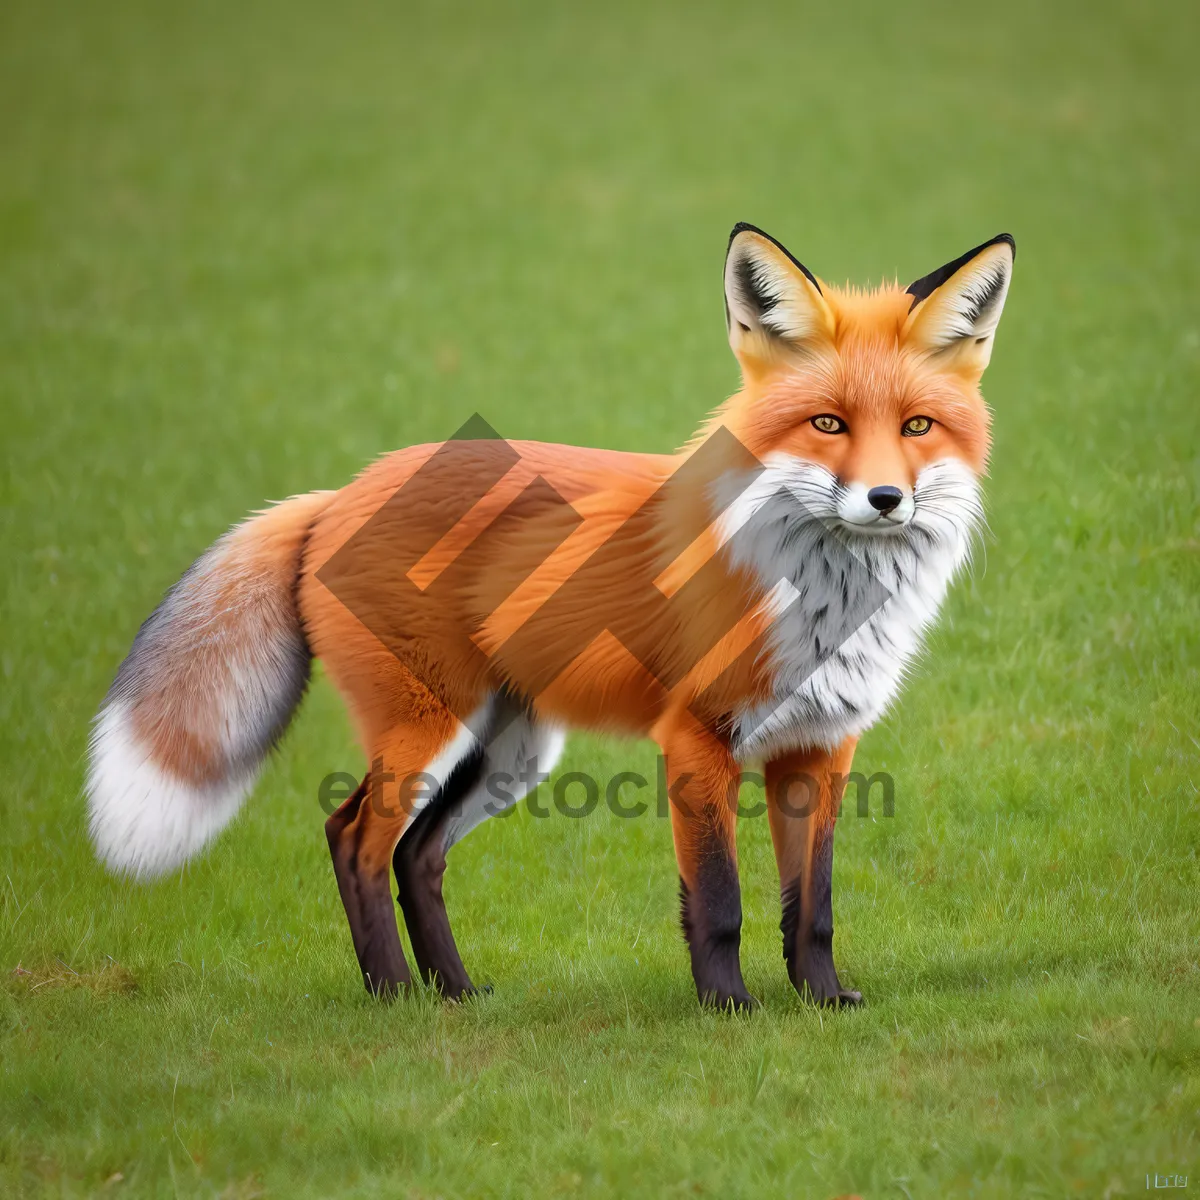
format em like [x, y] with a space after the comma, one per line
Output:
[209, 686]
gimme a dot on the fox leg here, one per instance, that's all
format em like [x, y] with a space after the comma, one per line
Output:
[372, 922]
[803, 795]
[419, 863]
[702, 780]
[519, 751]
[363, 833]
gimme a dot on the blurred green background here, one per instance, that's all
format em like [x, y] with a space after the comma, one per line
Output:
[245, 248]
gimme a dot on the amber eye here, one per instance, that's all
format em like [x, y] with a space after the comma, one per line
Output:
[828, 423]
[915, 426]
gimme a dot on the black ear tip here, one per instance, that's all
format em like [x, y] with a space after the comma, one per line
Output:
[745, 227]
[1005, 237]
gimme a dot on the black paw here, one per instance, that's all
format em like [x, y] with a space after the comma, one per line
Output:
[830, 998]
[463, 994]
[846, 998]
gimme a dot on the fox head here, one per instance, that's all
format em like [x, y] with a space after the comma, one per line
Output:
[866, 404]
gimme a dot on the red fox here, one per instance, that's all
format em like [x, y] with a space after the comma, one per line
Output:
[755, 597]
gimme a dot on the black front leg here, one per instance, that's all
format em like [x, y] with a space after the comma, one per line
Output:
[711, 915]
[702, 780]
[807, 927]
[804, 792]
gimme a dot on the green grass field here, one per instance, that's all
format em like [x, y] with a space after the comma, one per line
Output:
[244, 249]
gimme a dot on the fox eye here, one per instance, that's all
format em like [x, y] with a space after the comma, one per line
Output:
[827, 423]
[915, 426]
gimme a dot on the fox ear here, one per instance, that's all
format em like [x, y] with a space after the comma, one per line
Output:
[772, 302]
[955, 309]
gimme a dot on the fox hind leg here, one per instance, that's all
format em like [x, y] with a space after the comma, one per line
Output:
[372, 921]
[517, 751]
[363, 834]
[419, 863]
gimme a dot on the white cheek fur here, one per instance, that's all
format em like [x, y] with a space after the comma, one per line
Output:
[859, 603]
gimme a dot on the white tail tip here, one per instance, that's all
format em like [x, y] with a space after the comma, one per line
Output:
[144, 821]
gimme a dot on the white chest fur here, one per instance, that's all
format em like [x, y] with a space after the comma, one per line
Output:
[849, 612]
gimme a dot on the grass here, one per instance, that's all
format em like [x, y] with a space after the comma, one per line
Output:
[244, 249]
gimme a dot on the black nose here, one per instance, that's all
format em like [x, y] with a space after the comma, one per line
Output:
[885, 498]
